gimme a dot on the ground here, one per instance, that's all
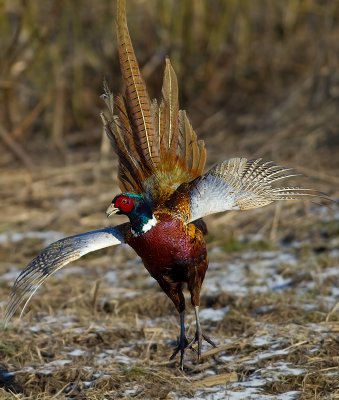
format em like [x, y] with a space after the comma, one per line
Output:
[102, 329]
[258, 79]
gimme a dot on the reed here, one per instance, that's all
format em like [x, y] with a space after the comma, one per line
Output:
[54, 56]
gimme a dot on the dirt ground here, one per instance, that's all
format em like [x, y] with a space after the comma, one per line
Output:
[102, 329]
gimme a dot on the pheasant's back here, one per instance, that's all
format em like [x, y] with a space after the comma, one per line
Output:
[157, 147]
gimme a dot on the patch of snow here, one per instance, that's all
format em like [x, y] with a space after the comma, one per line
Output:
[332, 373]
[96, 378]
[111, 277]
[334, 253]
[263, 341]
[77, 353]
[210, 314]
[132, 391]
[251, 272]
[292, 395]
[11, 275]
[3, 303]
[267, 354]
[66, 321]
[52, 366]
[254, 382]
[124, 360]
[215, 393]
[48, 237]
[103, 358]
[239, 391]
[226, 358]
[281, 368]
[309, 307]
[326, 273]
[282, 285]
[35, 328]
[74, 269]
[209, 372]
[248, 394]
[78, 330]
[25, 370]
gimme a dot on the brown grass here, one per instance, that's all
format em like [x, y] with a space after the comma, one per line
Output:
[83, 312]
[258, 79]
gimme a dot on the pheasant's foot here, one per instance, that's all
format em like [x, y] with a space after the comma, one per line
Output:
[182, 341]
[182, 345]
[198, 338]
[209, 340]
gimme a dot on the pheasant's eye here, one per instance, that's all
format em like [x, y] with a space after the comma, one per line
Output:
[124, 204]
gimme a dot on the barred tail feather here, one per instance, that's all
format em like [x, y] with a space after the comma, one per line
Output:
[157, 147]
[138, 101]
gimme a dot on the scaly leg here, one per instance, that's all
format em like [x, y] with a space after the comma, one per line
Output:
[174, 292]
[199, 336]
[195, 279]
[182, 342]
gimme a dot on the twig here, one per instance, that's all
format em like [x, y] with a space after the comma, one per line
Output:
[219, 349]
[16, 148]
[318, 174]
[332, 311]
[275, 223]
[29, 119]
[95, 294]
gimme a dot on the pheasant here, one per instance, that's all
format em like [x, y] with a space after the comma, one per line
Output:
[164, 193]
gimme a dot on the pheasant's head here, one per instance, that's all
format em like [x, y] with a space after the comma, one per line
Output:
[136, 208]
[124, 203]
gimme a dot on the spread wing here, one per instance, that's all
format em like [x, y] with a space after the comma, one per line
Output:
[157, 148]
[56, 256]
[237, 184]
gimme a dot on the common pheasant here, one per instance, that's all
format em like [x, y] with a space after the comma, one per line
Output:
[165, 194]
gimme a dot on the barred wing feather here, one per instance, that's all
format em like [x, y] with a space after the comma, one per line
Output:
[56, 256]
[241, 184]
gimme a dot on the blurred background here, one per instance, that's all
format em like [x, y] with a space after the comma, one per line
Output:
[258, 77]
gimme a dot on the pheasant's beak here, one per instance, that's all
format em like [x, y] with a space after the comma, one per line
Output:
[111, 210]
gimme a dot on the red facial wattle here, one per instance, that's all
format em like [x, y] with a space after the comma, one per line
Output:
[125, 204]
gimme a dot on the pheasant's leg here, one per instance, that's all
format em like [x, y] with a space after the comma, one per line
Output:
[199, 336]
[174, 292]
[194, 286]
[182, 342]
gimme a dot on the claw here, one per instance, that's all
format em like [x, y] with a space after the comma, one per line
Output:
[208, 340]
[199, 336]
[184, 344]
[182, 341]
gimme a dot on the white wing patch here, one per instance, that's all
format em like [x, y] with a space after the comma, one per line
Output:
[205, 197]
[241, 184]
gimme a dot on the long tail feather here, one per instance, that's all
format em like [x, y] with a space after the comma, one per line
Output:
[171, 101]
[136, 94]
[157, 147]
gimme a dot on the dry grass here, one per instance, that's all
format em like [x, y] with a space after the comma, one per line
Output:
[122, 330]
[248, 71]
[261, 80]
